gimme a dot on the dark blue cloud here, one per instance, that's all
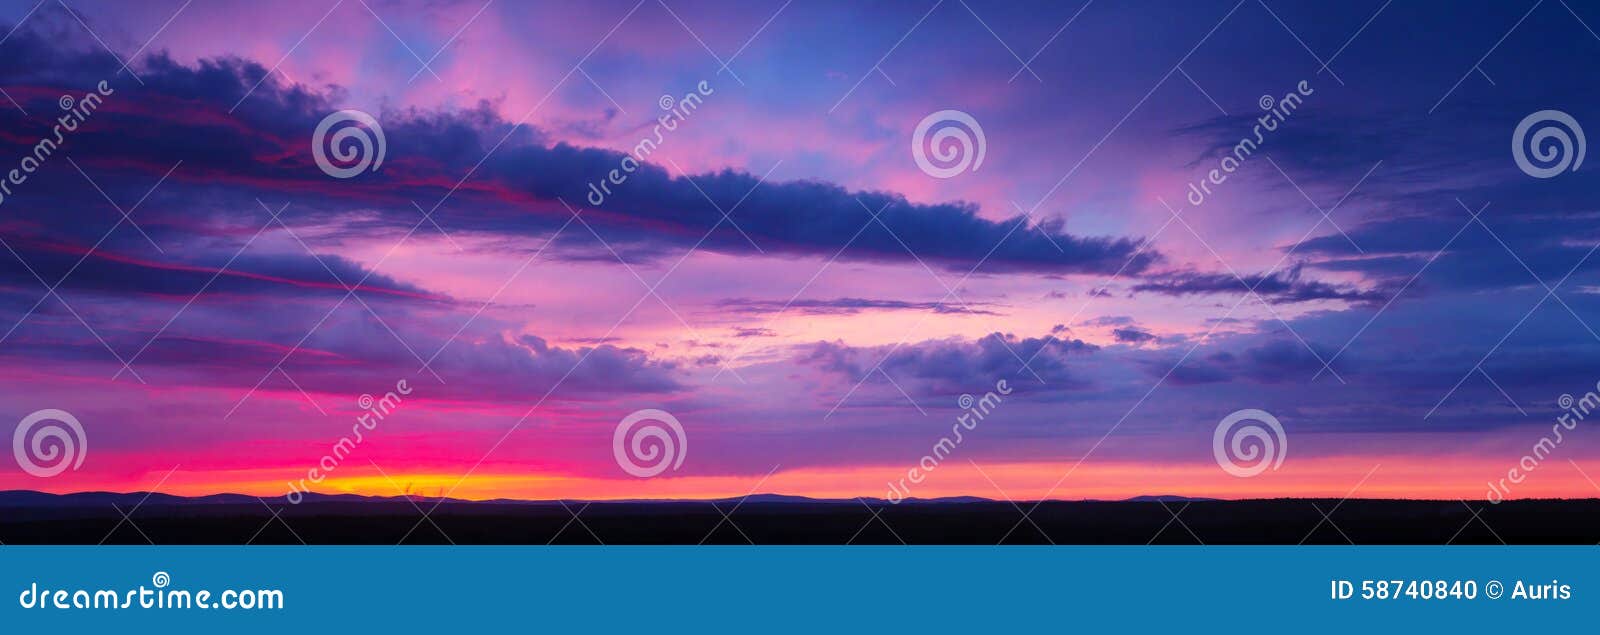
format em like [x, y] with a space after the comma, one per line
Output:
[1133, 335]
[1284, 287]
[260, 150]
[851, 306]
[954, 366]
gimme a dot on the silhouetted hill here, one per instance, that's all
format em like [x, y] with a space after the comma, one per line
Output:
[92, 517]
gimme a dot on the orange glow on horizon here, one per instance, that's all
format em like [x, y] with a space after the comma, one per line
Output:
[1333, 477]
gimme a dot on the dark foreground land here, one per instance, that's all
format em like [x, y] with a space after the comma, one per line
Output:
[93, 518]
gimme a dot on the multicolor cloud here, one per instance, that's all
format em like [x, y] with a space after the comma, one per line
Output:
[779, 274]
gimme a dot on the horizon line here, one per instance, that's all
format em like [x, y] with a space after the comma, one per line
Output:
[958, 498]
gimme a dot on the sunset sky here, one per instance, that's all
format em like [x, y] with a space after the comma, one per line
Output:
[780, 275]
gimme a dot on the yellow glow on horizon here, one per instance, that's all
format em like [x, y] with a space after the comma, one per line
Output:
[1330, 477]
